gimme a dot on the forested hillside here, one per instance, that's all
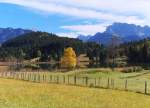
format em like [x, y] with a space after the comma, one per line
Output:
[41, 44]
[137, 52]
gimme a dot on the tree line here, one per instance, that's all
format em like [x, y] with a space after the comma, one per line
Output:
[48, 47]
[137, 52]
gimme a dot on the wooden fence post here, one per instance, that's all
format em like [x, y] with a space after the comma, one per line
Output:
[34, 77]
[2, 75]
[28, 76]
[17, 76]
[50, 78]
[20, 76]
[75, 80]
[39, 78]
[43, 77]
[68, 79]
[13, 75]
[23, 76]
[113, 83]
[64, 80]
[6, 74]
[145, 87]
[57, 79]
[108, 83]
[126, 84]
[99, 82]
[86, 81]
[95, 81]
[82, 80]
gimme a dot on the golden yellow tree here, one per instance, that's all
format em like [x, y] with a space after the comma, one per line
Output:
[69, 59]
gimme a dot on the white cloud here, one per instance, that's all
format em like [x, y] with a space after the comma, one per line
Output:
[86, 29]
[107, 11]
[70, 34]
[78, 8]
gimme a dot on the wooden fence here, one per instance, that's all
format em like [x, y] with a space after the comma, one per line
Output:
[107, 83]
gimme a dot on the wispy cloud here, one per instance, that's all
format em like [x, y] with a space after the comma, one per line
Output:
[70, 34]
[77, 8]
[106, 11]
[86, 29]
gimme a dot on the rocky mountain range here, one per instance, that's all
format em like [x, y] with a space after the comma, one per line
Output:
[126, 32]
[9, 33]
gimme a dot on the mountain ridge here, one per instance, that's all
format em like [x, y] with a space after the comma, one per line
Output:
[9, 33]
[126, 32]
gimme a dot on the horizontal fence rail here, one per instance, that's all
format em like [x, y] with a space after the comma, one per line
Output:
[107, 83]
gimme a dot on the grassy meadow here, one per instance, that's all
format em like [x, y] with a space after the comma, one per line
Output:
[22, 94]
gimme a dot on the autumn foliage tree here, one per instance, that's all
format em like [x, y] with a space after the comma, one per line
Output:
[69, 58]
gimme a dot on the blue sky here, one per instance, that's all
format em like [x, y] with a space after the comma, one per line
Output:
[72, 17]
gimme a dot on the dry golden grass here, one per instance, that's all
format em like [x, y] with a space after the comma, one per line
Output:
[20, 94]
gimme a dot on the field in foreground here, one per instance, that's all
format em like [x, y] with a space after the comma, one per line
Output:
[21, 94]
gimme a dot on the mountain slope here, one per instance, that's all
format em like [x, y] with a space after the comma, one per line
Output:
[126, 32]
[9, 33]
[101, 38]
[124, 29]
[46, 43]
[84, 38]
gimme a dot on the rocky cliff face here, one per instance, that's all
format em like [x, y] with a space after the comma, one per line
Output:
[126, 32]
